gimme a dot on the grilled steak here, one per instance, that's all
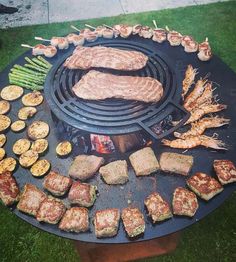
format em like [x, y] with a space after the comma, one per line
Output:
[106, 57]
[97, 86]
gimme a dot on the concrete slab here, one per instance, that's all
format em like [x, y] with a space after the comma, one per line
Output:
[82, 9]
[200, 2]
[29, 12]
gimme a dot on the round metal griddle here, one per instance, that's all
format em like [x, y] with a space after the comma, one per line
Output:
[137, 188]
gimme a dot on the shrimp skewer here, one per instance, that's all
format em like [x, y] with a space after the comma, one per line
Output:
[197, 92]
[198, 128]
[194, 141]
[198, 113]
[188, 80]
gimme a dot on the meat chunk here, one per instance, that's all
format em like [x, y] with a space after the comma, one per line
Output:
[184, 202]
[85, 166]
[57, 184]
[106, 222]
[96, 85]
[82, 194]
[144, 162]
[157, 207]
[133, 221]
[106, 57]
[204, 186]
[115, 172]
[225, 171]
[9, 191]
[51, 210]
[176, 163]
[30, 199]
[76, 219]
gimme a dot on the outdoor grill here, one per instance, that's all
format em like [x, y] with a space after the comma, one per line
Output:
[74, 119]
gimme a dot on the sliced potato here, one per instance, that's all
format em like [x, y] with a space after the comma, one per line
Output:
[32, 99]
[7, 164]
[5, 122]
[11, 92]
[18, 126]
[37, 130]
[28, 158]
[40, 167]
[40, 145]
[2, 153]
[4, 107]
[26, 112]
[21, 146]
[64, 148]
[3, 140]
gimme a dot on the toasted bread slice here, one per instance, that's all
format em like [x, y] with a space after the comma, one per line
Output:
[18, 126]
[76, 219]
[7, 164]
[34, 98]
[184, 202]
[3, 140]
[28, 158]
[106, 222]
[225, 171]
[144, 162]
[115, 172]
[40, 168]
[26, 112]
[204, 186]
[5, 122]
[11, 92]
[38, 130]
[64, 148]
[40, 145]
[21, 146]
[4, 107]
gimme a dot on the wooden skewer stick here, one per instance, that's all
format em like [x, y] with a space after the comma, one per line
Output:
[89, 26]
[28, 46]
[155, 24]
[108, 26]
[75, 28]
[42, 39]
[167, 28]
[206, 39]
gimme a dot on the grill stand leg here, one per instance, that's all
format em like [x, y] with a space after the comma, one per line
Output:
[127, 252]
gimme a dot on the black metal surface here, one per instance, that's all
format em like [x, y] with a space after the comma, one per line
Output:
[137, 188]
[116, 116]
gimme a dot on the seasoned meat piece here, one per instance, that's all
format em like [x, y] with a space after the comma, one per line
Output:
[57, 184]
[157, 207]
[9, 191]
[176, 163]
[225, 171]
[107, 57]
[82, 194]
[133, 221]
[106, 222]
[85, 166]
[115, 172]
[76, 219]
[184, 202]
[30, 199]
[96, 85]
[204, 186]
[144, 162]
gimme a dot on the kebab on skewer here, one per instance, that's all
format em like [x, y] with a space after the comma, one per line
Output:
[103, 31]
[60, 42]
[48, 51]
[146, 32]
[136, 29]
[90, 36]
[173, 37]
[205, 53]
[74, 38]
[189, 44]
[159, 34]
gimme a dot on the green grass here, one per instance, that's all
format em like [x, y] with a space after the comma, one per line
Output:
[213, 238]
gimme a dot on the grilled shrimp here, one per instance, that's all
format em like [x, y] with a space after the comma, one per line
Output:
[204, 109]
[197, 92]
[189, 79]
[199, 127]
[194, 141]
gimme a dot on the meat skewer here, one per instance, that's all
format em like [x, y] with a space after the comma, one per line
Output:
[159, 34]
[191, 46]
[146, 32]
[48, 51]
[75, 39]
[136, 29]
[205, 53]
[115, 30]
[60, 42]
[173, 37]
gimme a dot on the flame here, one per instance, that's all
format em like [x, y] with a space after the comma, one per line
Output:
[102, 144]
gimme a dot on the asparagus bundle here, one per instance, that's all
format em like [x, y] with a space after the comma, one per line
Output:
[31, 75]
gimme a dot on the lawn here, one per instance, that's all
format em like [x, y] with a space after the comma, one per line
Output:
[213, 238]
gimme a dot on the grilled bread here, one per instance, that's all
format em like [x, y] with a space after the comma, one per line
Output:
[225, 171]
[144, 162]
[11, 92]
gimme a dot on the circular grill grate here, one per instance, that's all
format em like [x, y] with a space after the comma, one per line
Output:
[113, 116]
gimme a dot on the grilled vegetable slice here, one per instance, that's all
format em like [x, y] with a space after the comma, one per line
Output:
[40, 167]
[4, 107]
[21, 146]
[11, 92]
[7, 164]
[64, 148]
[40, 145]
[32, 99]
[5, 122]
[2, 153]
[18, 126]
[26, 112]
[3, 140]
[37, 130]
[28, 158]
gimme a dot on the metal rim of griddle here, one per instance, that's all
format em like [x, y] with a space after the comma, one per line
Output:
[116, 116]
